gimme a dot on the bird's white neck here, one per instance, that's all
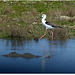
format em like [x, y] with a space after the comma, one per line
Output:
[43, 19]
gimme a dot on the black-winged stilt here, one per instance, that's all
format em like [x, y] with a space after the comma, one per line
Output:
[48, 25]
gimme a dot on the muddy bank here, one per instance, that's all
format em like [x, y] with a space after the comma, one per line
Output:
[28, 55]
[25, 55]
[13, 54]
[26, 23]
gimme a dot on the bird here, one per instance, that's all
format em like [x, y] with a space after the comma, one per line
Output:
[48, 25]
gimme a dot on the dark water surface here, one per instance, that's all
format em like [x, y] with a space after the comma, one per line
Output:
[62, 56]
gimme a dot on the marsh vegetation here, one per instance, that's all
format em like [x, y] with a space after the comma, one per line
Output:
[22, 19]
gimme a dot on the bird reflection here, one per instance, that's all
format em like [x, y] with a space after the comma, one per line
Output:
[46, 54]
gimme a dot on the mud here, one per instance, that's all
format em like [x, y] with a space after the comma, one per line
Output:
[28, 55]
[25, 55]
[13, 54]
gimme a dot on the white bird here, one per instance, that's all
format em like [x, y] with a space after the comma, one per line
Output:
[48, 25]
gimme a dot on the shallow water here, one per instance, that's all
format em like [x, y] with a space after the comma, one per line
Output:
[62, 56]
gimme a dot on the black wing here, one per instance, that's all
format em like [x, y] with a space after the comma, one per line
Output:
[48, 23]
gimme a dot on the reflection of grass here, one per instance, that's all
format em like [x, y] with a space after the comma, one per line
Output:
[23, 19]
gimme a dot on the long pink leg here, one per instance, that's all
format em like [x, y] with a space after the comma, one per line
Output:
[44, 34]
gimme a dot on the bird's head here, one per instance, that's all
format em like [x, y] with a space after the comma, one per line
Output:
[43, 15]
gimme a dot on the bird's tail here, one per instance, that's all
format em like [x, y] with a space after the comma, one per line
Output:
[58, 27]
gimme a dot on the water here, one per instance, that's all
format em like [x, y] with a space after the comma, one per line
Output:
[62, 56]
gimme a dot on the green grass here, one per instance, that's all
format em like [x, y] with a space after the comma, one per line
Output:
[19, 19]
